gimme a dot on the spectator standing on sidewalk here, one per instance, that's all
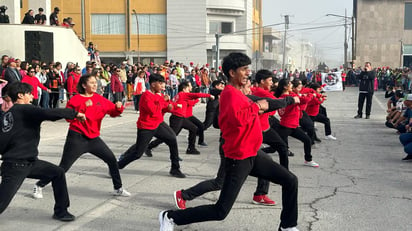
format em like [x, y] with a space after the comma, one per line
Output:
[366, 89]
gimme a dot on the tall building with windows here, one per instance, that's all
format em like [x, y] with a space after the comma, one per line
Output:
[383, 32]
[156, 30]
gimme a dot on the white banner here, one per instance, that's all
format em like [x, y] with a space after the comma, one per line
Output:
[332, 81]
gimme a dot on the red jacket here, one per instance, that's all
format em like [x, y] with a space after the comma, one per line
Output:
[72, 81]
[239, 124]
[34, 82]
[304, 100]
[115, 83]
[264, 118]
[151, 109]
[290, 115]
[95, 113]
[314, 104]
[182, 100]
[190, 105]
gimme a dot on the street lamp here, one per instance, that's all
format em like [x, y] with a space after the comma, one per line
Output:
[138, 36]
[345, 45]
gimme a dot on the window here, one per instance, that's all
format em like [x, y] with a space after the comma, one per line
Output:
[408, 16]
[108, 24]
[220, 27]
[149, 23]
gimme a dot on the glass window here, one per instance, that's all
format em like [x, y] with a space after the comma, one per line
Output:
[213, 27]
[108, 24]
[408, 16]
[149, 23]
[227, 27]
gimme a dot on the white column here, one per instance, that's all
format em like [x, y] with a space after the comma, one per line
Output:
[45, 4]
[13, 10]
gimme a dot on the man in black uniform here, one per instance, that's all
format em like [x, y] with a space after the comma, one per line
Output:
[20, 136]
[366, 89]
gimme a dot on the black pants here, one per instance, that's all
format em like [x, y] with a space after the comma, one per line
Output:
[273, 139]
[136, 100]
[307, 125]
[321, 118]
[163, 132]
[13, 174]
[236, 173]
[53, 98]
[217, 183]
[177, 123]
[200, 129]
[209, 117]
[78, 144]
[361, 100]
[299, 134]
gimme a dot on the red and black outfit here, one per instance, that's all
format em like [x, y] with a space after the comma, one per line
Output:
[179, 119]
[84, 136]
[72, 81]
[289, 125]
[149, 124]
[34, 82]
[54, 83]
[242, 136]
[313, 112]
[117, 87]
[270, 135]
[305, 122]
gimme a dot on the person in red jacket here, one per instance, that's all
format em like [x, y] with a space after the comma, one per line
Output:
[72, 81]
[31, 79]
[116, 85]
[305, 122]
[289, 121]
[270, 135]
[313, 111]
[242, 134]
[179, 119]
[150, 123]
[84, 136]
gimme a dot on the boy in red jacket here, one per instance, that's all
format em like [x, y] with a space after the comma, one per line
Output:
[242, 134]
[150, 123]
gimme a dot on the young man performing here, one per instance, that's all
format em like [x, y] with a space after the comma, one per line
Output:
[240, 124]
[150, 123]
[20, 136]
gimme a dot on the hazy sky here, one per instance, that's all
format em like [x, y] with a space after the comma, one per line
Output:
[312, 13]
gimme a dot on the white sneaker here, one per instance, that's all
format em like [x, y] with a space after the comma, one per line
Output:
[121, 192]
[311, 164]
[166, 224]
[330, 137]
[37, 192]
[289, 229]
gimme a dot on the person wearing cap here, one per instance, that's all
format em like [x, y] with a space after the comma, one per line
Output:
[54, 19]
[40, 18]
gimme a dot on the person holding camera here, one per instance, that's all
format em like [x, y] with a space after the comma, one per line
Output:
[366, 89]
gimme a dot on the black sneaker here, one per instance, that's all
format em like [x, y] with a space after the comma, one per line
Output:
[177, 173]
[407, 158]
[204, 144]
[64, 217]
[368, 117]
[357, 116]
[193, 151]
[316, 139]
[291, 153]
[148, 152]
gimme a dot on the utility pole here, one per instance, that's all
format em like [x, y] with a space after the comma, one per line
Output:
[284, 41]
[345, 59]
[217, 36]
[138, 36]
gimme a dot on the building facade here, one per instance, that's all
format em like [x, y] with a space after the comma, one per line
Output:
[159, 30]
[383, 32]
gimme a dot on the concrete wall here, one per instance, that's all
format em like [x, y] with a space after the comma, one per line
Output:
[380, 27]
[186, 31]
[67, 46]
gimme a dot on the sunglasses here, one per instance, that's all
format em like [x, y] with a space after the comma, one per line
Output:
[118, 71]
[32, 72]
[78, 70]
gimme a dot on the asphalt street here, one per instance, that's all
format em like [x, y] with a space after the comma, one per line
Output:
[361, 184]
